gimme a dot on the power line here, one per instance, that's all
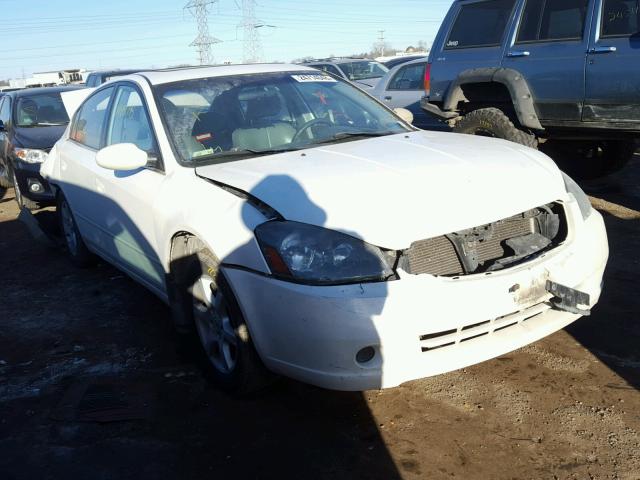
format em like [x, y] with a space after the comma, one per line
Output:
[252, 45]
[203, 42]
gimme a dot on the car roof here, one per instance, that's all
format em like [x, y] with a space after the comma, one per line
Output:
[29, 92]
[170, 75]
[117, 72]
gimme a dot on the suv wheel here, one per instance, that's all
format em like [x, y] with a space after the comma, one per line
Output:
[492, 122]
[588, 160]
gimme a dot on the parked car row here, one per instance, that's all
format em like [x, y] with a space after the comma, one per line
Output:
[297, 226]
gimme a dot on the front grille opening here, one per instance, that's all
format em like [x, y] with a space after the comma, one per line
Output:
[468, 327]
[491, 247]
[505, 326]
[429, 349]
[437, 334]
[475, 336]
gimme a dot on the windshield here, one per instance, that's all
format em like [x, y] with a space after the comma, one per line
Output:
[41, 110]
[363, 69]
[221, 118]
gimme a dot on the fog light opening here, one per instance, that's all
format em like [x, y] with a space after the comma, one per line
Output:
[365, 355]
[35, 186]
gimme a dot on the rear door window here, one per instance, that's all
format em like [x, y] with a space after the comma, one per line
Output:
[546, 20]
[410, 77]
[620, 18]
[480, 24]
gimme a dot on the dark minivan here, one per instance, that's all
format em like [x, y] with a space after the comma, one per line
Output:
[31, 122]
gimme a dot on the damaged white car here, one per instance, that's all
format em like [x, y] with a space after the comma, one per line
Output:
[301, 226]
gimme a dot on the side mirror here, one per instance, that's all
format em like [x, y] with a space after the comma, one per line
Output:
[404, 114]
[122, 156]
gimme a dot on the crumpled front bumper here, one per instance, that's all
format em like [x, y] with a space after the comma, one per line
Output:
[419, 325]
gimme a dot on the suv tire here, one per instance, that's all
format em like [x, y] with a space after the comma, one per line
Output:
[492, 122]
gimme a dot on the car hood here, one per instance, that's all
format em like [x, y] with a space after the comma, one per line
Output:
[37, 137]
[391, 191]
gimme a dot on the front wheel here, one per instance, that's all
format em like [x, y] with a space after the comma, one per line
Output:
[20, 199]
[227, 352]
[492, 122]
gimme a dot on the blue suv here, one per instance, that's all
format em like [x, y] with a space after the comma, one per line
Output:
[563, 75]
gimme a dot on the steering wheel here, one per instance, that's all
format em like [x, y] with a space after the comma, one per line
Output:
[308, 125]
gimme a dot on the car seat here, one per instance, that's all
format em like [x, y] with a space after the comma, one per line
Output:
[264, 126]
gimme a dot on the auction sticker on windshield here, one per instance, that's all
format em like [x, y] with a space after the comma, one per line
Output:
[313, 78]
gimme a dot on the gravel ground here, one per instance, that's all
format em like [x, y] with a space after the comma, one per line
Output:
[93, 384]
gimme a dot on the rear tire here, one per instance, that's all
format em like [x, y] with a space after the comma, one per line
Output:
[74, 244]
[202, 297]
[590, 160]
[492, 122]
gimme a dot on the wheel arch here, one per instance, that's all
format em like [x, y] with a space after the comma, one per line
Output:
[519, 92]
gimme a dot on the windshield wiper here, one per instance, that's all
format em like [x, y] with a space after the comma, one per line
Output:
[239, 154]
[352, 135]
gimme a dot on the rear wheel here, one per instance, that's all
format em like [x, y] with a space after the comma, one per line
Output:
[492, 122]
[589, 160]
[227, 352]
[78, 251]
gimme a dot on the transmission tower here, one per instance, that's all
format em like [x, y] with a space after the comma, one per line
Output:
[252, 46]
[203, 42]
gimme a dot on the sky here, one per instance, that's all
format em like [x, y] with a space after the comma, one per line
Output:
[44, 35]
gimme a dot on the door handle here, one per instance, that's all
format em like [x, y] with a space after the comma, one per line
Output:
[518, 53]
[387, 97]
[603, 49]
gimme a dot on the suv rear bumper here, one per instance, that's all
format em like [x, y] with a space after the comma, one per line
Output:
[433, 109]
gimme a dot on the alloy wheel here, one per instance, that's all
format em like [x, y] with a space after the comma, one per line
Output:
[213, 323]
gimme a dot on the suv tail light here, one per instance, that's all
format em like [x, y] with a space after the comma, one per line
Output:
[427, 79]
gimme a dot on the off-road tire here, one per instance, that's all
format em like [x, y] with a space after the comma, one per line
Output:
[492, 122]
[587, 160]
[20, 198]
[79, 254]
[249, 374]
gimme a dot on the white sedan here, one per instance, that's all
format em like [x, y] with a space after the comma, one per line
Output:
[296, 224]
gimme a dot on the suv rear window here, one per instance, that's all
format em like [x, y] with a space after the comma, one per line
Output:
[620, 18]
[545, 20]
[480, 24]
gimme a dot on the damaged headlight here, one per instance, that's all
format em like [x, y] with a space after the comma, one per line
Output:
[581, 197]
[29, 155]
[307, 253]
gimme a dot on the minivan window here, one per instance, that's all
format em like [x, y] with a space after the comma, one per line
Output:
[410, 77]
[620, 18]
[545, 20]
[480, 24]
[88, 125]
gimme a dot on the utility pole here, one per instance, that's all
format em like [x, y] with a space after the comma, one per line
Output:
[381, 42]
[252, 45]
[203, 42]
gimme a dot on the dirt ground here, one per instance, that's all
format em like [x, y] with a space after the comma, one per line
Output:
[94, 385]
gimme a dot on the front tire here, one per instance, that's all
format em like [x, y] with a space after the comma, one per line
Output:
[492, 122]
[75, 246]
[20, 199]
[202, 297]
